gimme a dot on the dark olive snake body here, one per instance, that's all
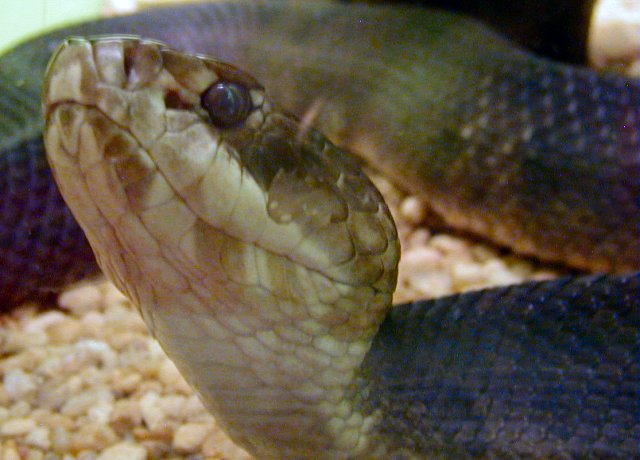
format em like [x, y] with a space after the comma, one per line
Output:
[546, 161]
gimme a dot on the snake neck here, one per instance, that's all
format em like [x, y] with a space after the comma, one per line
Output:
[283, 377]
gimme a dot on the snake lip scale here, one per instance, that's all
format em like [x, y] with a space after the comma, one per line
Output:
[264, 261]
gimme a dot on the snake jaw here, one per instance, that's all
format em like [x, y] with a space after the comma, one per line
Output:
[281, 259]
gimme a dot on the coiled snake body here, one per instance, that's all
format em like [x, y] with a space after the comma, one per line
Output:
[264, 261]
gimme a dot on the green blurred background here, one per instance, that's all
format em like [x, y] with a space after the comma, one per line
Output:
[23, 18]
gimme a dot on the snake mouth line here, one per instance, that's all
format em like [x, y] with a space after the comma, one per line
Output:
[176, 192]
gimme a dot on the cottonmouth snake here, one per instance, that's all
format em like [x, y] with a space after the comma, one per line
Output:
[538, 370]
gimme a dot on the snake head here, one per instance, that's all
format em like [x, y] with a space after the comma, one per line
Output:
[155, 127]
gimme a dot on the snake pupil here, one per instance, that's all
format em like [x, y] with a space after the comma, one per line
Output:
[228, 104]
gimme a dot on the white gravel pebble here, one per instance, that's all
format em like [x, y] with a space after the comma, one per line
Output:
[81, 403]
[413, 209]
[17, 426]
[39, 437]
[18, 383]
[124, 451]
[41, 323]
[9, 452]
[189, 437]
[153, 416]
[82, 298]
[421, 258]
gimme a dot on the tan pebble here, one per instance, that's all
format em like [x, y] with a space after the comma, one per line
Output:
[144, 434]
[162, 434]
[218, 445]
[27, 360]
[499, 274]
[120, 308]
[17, 426]
[82, 298]
[81, 403]
[413, 209]
[634, 69]
[161, 449]
[127, 328]
[390, 192]
[38, 414]
[172, 406]
[171, 377]
[126, 414]
[418, 237]
[483, 253]
[92, 436]
[153, 416]
[155, 350]
[189, 437]
[4, 414]
[61, 439]
[18, 384]
[429, 284]
[422, 258]
[94, 324]
[51, 366]
[494, 265]
[9, 451]
[21, 409]
[123, 338]
[35, 455]
[123, 450]
[194, 409]
[87, 454]
[15, 341]
[57, 393]
[66, 331]
[450, 245]
[101, 411]
[522, 268]
[404, 232]
[147, 386]
[127, 383]
[136, 355]
[55, 420]
[544, 275]
[5, 400]
[42, 322]
[133, 321]
[466, 275]
[149, 367]
[39, 437]
[96, 352]
[112, 296]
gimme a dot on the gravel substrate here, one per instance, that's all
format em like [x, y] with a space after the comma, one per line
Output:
[88, 382]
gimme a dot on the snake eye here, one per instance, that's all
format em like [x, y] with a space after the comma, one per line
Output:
[228, 104]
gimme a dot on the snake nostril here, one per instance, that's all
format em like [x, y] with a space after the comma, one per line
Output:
[128, 64]
[142, 62]
[172, 100]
